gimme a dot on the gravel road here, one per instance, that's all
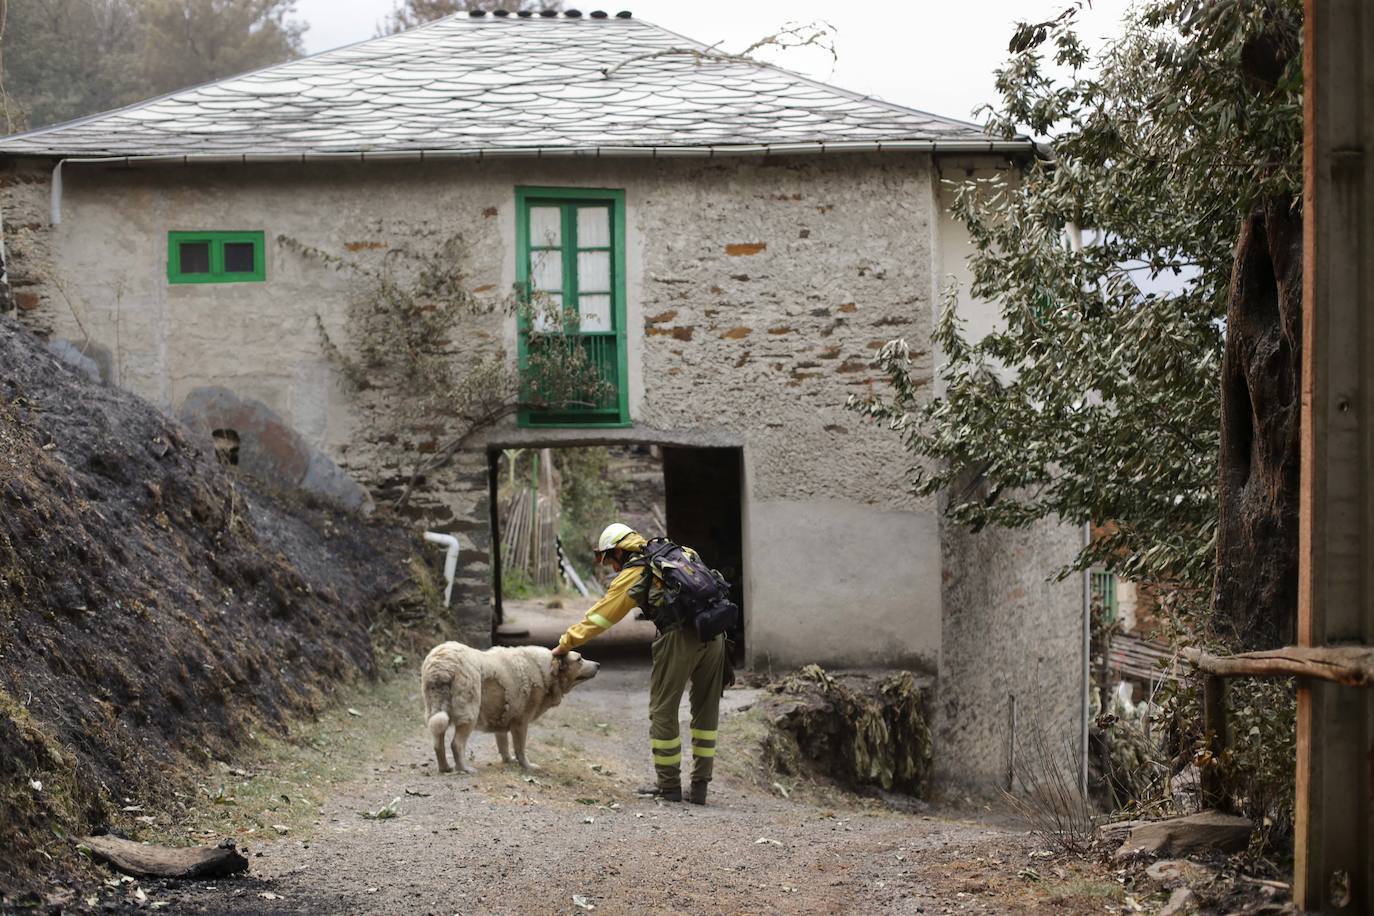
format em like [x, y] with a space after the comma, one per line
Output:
[573, 837]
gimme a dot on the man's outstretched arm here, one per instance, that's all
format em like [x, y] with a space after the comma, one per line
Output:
[603, 615]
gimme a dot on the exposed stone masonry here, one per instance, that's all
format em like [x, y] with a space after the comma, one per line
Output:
[765, 312]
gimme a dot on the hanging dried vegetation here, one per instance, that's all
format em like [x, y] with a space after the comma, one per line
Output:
[863, 729]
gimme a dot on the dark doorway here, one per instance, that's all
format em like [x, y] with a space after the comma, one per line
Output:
[703, 510]
[690, 494]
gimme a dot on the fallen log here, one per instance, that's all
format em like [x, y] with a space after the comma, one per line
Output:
[1115, 833]
[143, 861]
[1181, 835]
[1352, 666]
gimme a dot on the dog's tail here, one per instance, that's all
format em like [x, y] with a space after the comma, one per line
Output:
[436, 691]
[438, 725]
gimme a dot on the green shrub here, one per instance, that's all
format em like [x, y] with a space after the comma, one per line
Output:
[587, 501]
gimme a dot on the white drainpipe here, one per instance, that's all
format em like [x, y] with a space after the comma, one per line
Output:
[1074, 236]
[56, 193]
[1087, 665]
[450, 558]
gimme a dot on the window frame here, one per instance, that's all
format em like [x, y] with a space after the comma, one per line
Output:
[567, 199]
[1102, 585]
[217, 240]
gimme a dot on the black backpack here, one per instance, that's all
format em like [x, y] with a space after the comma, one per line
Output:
[695, 594]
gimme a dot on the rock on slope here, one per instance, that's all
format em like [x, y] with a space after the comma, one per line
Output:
[154, 606]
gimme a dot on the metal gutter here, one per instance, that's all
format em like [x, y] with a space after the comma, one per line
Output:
[1023, 147]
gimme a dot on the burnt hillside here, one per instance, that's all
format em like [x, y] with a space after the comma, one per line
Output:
[154, 606]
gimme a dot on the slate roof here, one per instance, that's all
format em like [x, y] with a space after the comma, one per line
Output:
[469, 85]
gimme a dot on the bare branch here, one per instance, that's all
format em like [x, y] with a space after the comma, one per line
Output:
[1352, 666]
[816, 34]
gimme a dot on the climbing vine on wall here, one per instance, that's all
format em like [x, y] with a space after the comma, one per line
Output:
[418, 336]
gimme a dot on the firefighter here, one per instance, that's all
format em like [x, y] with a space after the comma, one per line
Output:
[680, 658]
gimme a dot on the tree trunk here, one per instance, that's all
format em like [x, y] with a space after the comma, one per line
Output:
[1254, 593]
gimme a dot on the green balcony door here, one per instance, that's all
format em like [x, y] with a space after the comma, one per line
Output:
[571, 253]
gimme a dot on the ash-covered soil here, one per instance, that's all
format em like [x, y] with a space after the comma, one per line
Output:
[155, 608]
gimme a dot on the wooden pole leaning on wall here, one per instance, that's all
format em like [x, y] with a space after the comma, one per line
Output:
[1334, 849]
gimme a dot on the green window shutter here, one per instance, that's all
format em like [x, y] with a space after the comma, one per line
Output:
[216, 257]
[1103, 589]
[570, 247]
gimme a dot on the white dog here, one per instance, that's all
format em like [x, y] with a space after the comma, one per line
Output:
[501, 690]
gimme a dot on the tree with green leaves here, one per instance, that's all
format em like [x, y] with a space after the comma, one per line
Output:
[188, 42]
[1098, 398]
[66, 58]
[1144, 372]
[63, 59]
[407, 14]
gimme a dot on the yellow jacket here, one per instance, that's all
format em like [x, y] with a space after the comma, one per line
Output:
[613, 606]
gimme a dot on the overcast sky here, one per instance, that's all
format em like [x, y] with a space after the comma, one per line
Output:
[935, 55]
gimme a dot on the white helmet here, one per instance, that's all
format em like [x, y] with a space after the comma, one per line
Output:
[615, 532]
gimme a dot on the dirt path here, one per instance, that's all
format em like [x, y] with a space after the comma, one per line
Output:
[574, 836]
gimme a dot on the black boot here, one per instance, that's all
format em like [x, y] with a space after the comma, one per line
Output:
[697, 796]
[671, 793]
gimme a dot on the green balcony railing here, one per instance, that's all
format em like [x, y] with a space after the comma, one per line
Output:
[602, 404]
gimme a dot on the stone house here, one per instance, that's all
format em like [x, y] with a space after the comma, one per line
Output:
[738, 241]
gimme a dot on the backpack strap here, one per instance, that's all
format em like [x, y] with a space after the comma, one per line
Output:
[654, 549]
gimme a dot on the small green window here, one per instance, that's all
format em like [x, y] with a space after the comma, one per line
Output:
[215, 257]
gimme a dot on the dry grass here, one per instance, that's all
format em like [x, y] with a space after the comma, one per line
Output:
[1050, 799]
[283, 782]
[1079, 889]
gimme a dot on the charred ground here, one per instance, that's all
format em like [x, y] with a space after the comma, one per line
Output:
[155, 607]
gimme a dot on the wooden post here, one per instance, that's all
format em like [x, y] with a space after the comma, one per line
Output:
[1214, 725]
[1011, 743]
[1334, 855]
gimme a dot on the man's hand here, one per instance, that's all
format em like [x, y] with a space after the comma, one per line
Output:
[559, 651]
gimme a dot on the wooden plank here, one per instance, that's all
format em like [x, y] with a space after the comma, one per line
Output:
[1334, 850]
[1148, 661]
[1141, 659]
[144, 861]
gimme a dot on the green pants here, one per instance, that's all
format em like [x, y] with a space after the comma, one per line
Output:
[681, 658]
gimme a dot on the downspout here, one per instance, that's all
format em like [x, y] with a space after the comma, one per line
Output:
[450, 558]
[1087, 662]
[56, 193]
[1073, 236]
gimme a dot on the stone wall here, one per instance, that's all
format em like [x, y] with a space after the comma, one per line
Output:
[29, 266]
[1008, 632]
[766, 288]
[771, 299]
[758, 292]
